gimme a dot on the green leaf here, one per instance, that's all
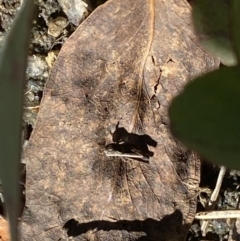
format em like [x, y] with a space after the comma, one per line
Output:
[13, 59]
[206, 116]
[212, 21]
[235, 26]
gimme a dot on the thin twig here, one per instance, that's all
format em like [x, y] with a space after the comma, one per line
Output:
[28, 91]
[233, 224]
[213, 198]
[221, 214]
[129, 155]
[31, 107]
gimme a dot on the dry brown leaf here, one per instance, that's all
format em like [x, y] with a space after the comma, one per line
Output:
[124, 63]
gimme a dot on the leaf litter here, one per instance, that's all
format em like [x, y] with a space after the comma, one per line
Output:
[123, 71]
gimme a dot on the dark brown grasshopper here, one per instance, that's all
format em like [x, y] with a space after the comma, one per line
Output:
[130, 145]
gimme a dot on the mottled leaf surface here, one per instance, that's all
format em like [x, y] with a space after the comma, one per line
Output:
[124, 64]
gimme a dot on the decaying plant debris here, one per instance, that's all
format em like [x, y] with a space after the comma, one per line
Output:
[115, 75]
[51, 29]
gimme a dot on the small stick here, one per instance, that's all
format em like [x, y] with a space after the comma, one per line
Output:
[28, 91]
[130, 155]
[215, 193]
[213, 199]
[233, 224]
[31, 107]
[222, 214]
